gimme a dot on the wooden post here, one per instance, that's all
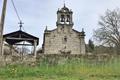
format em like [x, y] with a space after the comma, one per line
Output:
[2, 25]
[3, 45]
[35, 45]
[11, 50]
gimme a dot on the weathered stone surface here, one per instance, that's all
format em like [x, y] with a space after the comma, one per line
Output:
[64, 39]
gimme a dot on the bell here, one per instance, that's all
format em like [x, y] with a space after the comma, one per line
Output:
[62, 19]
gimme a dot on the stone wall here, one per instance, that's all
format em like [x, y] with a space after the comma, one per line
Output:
[61, 59]
[64, 40]
[54, 59]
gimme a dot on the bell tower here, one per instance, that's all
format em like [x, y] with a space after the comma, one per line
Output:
[64, 16]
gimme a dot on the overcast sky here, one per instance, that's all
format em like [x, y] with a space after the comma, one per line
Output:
[36, 14]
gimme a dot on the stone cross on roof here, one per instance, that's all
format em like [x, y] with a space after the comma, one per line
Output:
[20, 24]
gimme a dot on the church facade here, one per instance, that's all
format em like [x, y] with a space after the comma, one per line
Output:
[64, 39]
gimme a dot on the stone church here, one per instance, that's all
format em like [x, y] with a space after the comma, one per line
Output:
[64, 39]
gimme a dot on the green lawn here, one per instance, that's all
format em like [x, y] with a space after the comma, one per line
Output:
[71, 70]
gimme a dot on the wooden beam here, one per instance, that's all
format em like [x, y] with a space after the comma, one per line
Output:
[12, 38]
[24, 44]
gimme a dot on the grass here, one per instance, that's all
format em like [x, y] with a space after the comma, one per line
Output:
[74, 69]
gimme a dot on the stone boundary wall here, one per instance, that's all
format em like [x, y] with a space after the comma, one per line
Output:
[58, 58]
[54, 58]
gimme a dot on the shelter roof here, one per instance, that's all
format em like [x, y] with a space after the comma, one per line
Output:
[19, 36]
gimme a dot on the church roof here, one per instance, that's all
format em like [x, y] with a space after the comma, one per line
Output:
[81, 33]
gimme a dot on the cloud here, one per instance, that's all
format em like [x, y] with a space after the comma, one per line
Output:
[36, 14]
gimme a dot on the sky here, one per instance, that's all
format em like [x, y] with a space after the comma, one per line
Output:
[37, 14]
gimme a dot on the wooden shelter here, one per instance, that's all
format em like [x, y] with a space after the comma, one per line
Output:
[16, 37]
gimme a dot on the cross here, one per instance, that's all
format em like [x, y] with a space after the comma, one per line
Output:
[64, 3]
[20, 24]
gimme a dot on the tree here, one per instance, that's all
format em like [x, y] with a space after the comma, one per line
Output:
[109, 31]
[91, 45]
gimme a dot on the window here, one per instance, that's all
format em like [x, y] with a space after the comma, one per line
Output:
[65, 39]
[62, 18]
[68, 18]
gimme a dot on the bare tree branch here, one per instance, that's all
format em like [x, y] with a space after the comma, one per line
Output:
[109, 31]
